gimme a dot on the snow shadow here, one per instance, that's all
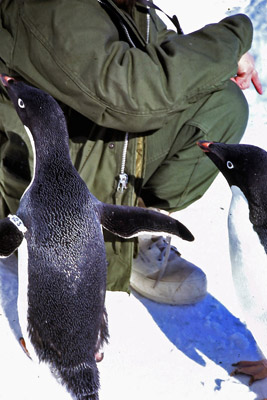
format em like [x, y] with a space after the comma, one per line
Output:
[208, 328]
[9, 292]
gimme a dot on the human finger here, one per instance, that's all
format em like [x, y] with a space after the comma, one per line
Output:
[256, 82]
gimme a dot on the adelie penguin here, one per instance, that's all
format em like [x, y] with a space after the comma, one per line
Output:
[245, 169]
[62, 261]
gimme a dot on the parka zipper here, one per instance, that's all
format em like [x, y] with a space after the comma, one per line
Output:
[123, 177]
[147, 27]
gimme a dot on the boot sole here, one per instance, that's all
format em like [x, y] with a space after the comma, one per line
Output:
[170, 292]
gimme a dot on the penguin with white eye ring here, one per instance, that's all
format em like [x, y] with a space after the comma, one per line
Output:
[245, 169]
[62, 263]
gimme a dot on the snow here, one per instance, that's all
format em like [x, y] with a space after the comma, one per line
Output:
[158, 351]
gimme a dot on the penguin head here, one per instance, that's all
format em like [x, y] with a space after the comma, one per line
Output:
[244, 166]
[37, 110]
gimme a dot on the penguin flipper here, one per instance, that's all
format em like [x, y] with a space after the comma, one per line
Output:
[10, 237]
[128, 222]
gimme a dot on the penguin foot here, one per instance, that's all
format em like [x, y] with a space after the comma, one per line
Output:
[99, 357]
[255, 369]
[23, 345]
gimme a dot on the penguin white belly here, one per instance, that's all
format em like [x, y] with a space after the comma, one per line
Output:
[249, 267]
[23, 296]
[34, 159]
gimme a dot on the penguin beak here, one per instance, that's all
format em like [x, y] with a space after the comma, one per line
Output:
[6, 80]
[204, 145]
[212, 149]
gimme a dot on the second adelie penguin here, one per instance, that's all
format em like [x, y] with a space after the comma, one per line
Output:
[245, 169]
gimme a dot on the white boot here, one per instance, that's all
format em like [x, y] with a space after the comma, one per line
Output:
[161, 274]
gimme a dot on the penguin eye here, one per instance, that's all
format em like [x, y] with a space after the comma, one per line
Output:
[230, 165]
[21, 103]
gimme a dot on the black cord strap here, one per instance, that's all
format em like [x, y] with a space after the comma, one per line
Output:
[173, 19]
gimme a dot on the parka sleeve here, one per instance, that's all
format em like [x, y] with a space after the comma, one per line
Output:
[72, 50]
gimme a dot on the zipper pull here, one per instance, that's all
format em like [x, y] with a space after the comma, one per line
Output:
[123, 180]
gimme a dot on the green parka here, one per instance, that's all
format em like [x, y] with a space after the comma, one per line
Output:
[112, 73]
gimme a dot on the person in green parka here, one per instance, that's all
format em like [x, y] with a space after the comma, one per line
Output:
[137, 97]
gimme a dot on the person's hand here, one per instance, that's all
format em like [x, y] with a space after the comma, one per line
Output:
[247, 73]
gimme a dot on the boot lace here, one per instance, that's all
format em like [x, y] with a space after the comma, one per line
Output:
[165, 247]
